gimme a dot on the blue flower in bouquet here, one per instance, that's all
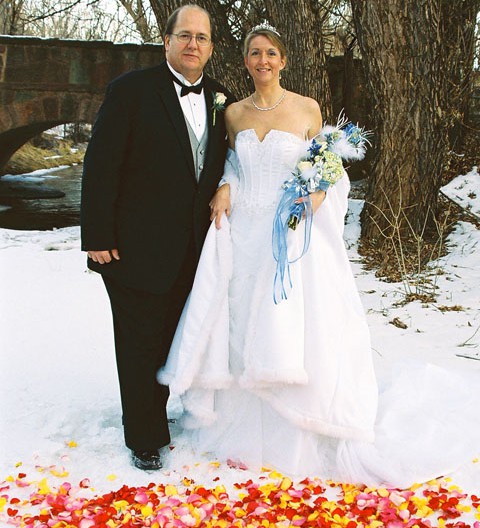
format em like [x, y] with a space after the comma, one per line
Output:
[356, 136]
[317, 170]
[346, 139]
[314, 148]
[332, 137]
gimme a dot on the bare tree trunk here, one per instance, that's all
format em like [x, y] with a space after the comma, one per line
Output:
[402, 47]
[136, 11]
[11, 17]
[459, 20]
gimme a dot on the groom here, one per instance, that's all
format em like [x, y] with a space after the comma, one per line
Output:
[152, 165]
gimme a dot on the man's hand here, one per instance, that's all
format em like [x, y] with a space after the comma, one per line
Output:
[104, 257]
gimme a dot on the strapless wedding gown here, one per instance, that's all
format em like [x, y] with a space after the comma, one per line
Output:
[292, 385]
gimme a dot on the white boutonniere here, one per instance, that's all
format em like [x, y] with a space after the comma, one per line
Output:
[219, 100]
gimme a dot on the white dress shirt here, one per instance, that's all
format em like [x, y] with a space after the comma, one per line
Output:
[193, 105]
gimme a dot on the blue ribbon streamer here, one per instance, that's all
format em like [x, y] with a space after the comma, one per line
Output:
[286, 210]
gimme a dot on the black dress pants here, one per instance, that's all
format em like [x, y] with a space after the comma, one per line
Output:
[144, 325]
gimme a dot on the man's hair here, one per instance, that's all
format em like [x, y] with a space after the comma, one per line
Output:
[172, 19]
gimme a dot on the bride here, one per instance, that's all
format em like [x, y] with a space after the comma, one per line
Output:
[291, 385]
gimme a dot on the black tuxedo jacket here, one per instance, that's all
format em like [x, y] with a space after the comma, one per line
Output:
[139, 191]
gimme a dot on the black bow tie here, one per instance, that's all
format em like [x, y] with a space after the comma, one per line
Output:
[187, 89]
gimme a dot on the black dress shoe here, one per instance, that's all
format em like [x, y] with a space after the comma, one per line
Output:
[146, 460]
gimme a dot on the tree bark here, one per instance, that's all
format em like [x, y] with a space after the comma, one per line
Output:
[459, 20]
[401, 42]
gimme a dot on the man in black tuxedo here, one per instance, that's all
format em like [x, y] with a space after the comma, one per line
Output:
[152, 165]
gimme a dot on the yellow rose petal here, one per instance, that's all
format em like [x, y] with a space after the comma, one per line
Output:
[170, 490]
[275, 475]
[56, 473]
[146, 511]
[43, 487]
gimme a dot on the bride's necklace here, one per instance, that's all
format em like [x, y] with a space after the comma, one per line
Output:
[282, 97]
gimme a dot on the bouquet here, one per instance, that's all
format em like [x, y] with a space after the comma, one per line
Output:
[321, 167]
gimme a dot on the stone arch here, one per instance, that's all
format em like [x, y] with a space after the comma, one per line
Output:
[28, 118]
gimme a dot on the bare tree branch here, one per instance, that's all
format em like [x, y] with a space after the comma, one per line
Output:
[58, 11]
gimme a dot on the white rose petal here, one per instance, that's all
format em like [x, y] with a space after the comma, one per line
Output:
[304, 166]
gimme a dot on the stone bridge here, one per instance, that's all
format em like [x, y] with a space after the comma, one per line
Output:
[48, 82]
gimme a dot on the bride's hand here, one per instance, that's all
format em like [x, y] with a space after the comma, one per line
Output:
[220, 203]
[317, 200]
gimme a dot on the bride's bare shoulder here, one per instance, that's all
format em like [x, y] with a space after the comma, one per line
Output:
[235, 114]
[236, 108]
[305, 103]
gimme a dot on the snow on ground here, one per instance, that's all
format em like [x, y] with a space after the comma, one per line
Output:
[60, 408]
[36, 176]
[465, 191]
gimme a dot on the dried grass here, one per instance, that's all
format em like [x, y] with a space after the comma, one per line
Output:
[29, 158]
[417, 255]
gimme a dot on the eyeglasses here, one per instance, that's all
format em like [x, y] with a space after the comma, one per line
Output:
[185, 38]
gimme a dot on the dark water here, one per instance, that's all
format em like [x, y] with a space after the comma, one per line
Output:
[45, 213]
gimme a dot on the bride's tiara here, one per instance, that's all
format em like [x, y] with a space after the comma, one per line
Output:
[265, 25]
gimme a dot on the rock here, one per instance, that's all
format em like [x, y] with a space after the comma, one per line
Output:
[22, 191]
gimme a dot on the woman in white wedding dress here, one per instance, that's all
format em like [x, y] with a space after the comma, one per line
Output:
[292, 385]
